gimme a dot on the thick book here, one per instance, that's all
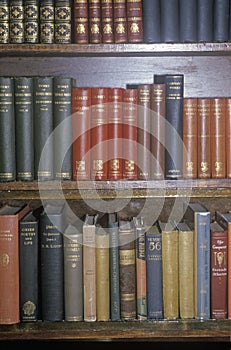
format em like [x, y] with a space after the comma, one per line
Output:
[107, 23]
[31, 21]
[9, 267]
[95, 24]
[221, 18]
[198, 217]
[219, 271]
[188, 21]
[151, 21]
[120, 21]
[73, 271]
[228, 137]
[153, 252]
[205, 20]
[134, 21]
[52, 225]
[16, 22]
[63, 21]
[169, 21]
[4, 22]
[47, 21]
[80, 22]
[24, 127]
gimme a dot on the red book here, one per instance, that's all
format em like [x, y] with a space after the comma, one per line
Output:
[120, 21]
[130, 112]
[81, 123]
[99, 133]
[228, 136]
[9, 267]
[95, 34]
[135, 21]
[80, 17]
[107, 21]
[115, 133]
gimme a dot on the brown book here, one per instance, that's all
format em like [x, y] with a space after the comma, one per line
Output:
[99, 133]
[120, 21]
[9, 267]
[228, 137]
[203, 140]
[95, 32]
[158, 131]
[115, 133]
[143, 131]
[190, 138]
[81, 124]
[217, 138]
[219, 271]
[80, 22]
[130, 112]
[107, 21]
[135, 21]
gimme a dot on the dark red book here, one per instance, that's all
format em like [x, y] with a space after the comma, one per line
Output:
[228, 136]
[120, 21]
[95, 34]
[135, 21]
[107, 21]
[81, 124]
[80, 22]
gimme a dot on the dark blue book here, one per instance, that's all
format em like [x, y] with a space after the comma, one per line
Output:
[221, 20]
[205, 20]
[188, 20]
[169, 21]
[151, 21]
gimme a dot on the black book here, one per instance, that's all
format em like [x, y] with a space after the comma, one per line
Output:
[221, 20]
[188, 20]
[169, 21]
[205, 20]
[151, 21]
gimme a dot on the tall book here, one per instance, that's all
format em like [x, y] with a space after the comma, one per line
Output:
[228, 137]
[219, 271]
[197, 216]
[47, 21]
[4, 22]
[120, 21]
[127, 269]
[31, 21]
[9, 267]
[169, 21]
[151, 21]
[7, 130]
[221, 20]
[73, 271]
[16, 21]
[80, 22]
[153, 252]
[52, 225]
[188, 21]
[24, 127]
[107, 26]
[95, 30]
[205, 24]
[134, 21]
[63, 21]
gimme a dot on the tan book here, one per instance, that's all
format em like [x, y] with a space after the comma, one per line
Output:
[228, 136]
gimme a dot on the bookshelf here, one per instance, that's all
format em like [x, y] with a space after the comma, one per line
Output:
[207, 70]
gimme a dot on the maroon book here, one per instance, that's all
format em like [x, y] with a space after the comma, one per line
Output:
[95, 34]
[80, 21]
[107, 21]
[120, 21]
[135, 21]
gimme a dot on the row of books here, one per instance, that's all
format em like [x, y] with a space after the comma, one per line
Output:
[114, 21]
[58, 267]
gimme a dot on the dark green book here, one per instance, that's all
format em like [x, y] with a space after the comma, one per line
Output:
[31, 21]
[4, 22]
[47, 21]
[7, 130]
[24, 132]
[16, 22]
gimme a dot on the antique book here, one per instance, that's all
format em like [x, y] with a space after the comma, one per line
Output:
[169, 21]
[127, 269]
[31, 21]
[24, 127]
[94, 15]
[16, 22]
[170, 269]
[219, 271]
[99, 133]
[151, 21]
[4, 22]
[43, 127]
[153, 252]
[228, 137]
[217, 137]
[9, 267]
[63, 22]
[107, 23]
[221, 20]
[62, 125]
[188, 21]
[47, 21]
[205, 25]
[80, 22]
[203, 138]
[73, 271]
[81, 133]
[141, 285]
[197, 216]
[186, 271]
[120, 21]
[52, 225]
[190, 138]
[7, 130]
[134, 21]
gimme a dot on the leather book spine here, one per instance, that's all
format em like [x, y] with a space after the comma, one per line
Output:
[80, 22]
[190, 138]
[143, 132]
[135, 21]
[63, 22]
[62, 124]
[81, 125]
[24, 126]
[47, 21]
[188, 21]
[228, 136]
[174, 126]
[7, 130]
[130, 115]
[217, 138]
[158, 115]
[16, 21]
[107, 21]
[31, 21]
[203, 141]
[43, 126]
[205, 24]
[127, 266]
[99, 133]
[4, 22]
[169, 21]
[219, 271]
[95, 30]
[115, 133]
[221, 20]
[120, 21]
[151, 21]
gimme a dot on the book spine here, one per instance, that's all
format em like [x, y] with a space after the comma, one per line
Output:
[24, 123]
[95, 30]
[31, 21]
[188, 21]
[205, 28]
[16, 21]
[204, 145]
[190, 138]
[81, 125]
[47, 21]
[134, 21]
[4, 22]
[141, 284]
[120, 21]
[63, 22]
[229, 269]
[228, 136]
[217, 138]
[62, 124]
[80, 22]
[107, 21]
[43, 126]
[169, 12]
[151, 21]
[221, 20]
